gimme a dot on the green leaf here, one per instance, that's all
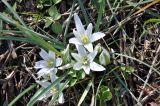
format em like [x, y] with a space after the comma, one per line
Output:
[73, 82]
[81, 74]
[53, 12]
[57, 27]
[127, 69]
[72, 73]
[104, 93]
[48, 22]
[57, 1]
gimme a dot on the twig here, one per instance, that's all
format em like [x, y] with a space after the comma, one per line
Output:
[149, 73]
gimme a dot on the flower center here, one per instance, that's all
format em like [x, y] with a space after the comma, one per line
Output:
[84, 39]
[50, 63]
[85, 61]
[54, 90]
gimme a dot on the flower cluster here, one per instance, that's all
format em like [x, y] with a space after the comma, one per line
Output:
[48, 69]
[83, 60]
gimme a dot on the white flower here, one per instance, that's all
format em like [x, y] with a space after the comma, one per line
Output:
[84, 37]
[54, 90]
[85, 60]
[48, 64]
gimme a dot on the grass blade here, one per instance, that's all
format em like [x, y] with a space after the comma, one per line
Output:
[13, 12]
[21, 94]
[85, 93]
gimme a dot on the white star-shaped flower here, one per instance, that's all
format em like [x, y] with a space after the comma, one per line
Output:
[54, 90]
[48, 64]
[84, 37]
[85, 60]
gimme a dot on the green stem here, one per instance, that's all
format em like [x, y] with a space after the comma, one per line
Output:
[21, 94]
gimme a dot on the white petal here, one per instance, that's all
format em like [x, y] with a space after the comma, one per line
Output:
[67, 66]
[51, 55]
[89, 30]
[44, 54]
[61, 98]
[44, 84]
[81, 50]
[53, 75]
[79, 25]
[92, 55]
[96, 67]
[77, 57]
[89, 47]
[41, 64]
[96, 36]
[77, 66]
[75, 41]
[58, 62]
[77, 35]
[86, 69]
[43, 71]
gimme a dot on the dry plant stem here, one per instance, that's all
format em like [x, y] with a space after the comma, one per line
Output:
[146, 97]
[147, 83]
[27, 69]
[149, 73]
[6, 80]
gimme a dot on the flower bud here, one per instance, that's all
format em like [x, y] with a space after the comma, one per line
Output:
[104, 57]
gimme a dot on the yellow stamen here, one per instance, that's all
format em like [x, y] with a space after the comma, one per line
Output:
[54, 90]
[84, 39]
[50, 63]
[85, 61]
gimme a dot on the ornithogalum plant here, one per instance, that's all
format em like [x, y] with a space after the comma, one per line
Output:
[84, 60]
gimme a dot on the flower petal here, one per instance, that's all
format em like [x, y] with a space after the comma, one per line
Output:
[86, 69]
[81, 50]
[67, 66]
[88, 32]
[61, 98]
[78, 23]
[43, 83]
[44, 54]
[58, 62]
[43, 71]
[96, 36]
[89, 47]
[41, 64]
[92, 55]
[77, 66]
[96, 67]
[77, 35]
[77, 57]
[51, 55]
[75, 41]
[53, 75]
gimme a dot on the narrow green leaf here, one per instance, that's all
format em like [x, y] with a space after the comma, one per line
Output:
[85, 93]
[13, 12]
[21, 94]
